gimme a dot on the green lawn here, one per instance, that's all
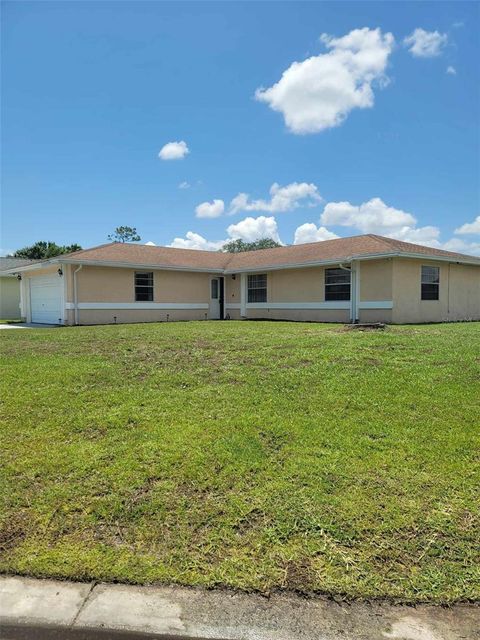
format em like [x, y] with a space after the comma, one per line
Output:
[249, 455]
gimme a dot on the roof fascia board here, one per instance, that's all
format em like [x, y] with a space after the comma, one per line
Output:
[425, 256]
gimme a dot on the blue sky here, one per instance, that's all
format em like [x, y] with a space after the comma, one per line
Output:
[368, 132]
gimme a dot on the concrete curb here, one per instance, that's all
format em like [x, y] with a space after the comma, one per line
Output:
[177, 612]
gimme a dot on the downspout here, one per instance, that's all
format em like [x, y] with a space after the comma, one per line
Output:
[23, 296]
[75, 295]
[448, 292]
[356, 286]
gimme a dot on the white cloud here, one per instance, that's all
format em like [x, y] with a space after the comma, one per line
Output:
[251, 229]
[319, 92]
[375, 216]
[451, 70]
[309, 232]
[425, 44]
[428, 236]
[210, 209]
[184, 185]
[150, 244]
[196, 241]
[460, 246]
[174, 150]
[469, 228]
[282, 199]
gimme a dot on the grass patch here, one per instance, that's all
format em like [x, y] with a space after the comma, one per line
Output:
[256, 456]
[10, 321]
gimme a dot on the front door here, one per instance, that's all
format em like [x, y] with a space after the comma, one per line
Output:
[216, 299]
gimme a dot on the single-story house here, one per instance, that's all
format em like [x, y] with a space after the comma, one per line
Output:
[365, 278]
[10, 288]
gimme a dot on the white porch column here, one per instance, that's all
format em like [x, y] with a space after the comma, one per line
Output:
[25, 298]
[243, 295]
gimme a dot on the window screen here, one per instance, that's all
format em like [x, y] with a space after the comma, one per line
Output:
[143, 286]
[337, 284]
[430, 283]
[257, 288]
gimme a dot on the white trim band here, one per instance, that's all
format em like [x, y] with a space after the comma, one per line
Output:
[137, 305]
[298, 305]
[370, 304]
[376, 304]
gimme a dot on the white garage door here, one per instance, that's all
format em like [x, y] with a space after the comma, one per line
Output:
[46, 299]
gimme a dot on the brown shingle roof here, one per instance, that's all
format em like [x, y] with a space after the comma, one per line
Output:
[338, 250]
[10, 263]
[140, 254]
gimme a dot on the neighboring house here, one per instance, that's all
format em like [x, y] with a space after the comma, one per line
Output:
[10, 288]
[365, 278]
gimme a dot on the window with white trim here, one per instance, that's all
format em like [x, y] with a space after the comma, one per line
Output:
[337, 284]
[143, 286]
[430, 283]
[257, 287]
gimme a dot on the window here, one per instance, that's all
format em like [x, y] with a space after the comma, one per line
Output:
[143, 286]
[337, 284]
[257, 288]
[214, 284]
[430, 283]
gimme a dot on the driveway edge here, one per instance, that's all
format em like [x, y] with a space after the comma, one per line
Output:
[180, 612]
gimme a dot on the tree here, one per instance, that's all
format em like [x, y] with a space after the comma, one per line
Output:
[43, 249]
[238, 246]
[124, 234]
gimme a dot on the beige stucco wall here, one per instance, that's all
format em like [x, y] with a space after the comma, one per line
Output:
[375, 315]
[395, 279]
[114, 284]
[9, 298]
[234, 314]
[376, 280]
[308, 284]
[464, 293]
[459, 293]
[296, 285]
[46, 271]
[121, 316]
[232, 289]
